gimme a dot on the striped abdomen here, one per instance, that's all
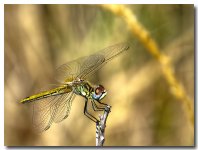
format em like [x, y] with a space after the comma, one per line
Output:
[45, 94]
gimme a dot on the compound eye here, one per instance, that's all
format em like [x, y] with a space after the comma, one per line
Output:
[100, 89]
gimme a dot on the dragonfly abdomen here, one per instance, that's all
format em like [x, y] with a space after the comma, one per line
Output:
[45, 94]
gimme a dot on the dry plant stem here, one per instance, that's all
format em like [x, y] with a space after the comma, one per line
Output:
[100, 127]
[143, 35]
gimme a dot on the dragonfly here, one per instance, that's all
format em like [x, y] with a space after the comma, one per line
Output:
[54, 105]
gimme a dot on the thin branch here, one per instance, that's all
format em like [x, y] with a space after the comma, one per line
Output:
[100, 126]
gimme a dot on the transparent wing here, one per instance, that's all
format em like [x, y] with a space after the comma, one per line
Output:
[85, 66]
[63, 108]
[97, 60]
[51, 109]
[69, 71]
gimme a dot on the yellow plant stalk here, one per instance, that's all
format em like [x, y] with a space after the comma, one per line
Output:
[143, 35]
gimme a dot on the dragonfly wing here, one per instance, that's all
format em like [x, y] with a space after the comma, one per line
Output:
[85, 66]
[90, 64]
[41, 114]
[63, 108]
[46, 111]
[69, 71]
[97, 60]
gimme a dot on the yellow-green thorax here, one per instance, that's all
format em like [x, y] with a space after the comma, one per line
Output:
[89, 91]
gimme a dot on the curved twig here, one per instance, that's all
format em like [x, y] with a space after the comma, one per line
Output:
[100, 126]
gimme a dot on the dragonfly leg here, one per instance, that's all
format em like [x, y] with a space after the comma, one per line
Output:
[95, 107]
[88, 114]
[102, 103]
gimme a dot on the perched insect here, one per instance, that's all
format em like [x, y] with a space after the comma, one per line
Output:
[54, 105]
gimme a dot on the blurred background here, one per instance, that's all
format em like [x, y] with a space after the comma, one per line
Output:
[39, 38]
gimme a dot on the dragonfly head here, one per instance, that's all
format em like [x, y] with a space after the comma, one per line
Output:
[99, 93]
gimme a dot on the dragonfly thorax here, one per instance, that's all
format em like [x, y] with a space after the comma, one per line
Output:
[88, 91]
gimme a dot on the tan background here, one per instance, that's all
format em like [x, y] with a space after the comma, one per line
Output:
[39, 38]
